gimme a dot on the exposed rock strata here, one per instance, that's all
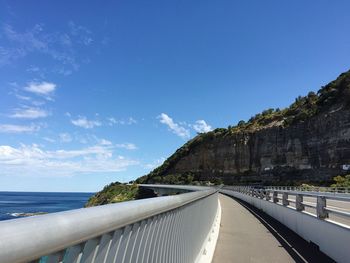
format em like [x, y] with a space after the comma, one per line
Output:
[311, 150]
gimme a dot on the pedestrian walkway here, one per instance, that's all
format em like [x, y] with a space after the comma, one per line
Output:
[243, 238]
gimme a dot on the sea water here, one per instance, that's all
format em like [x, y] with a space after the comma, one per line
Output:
[18, 204]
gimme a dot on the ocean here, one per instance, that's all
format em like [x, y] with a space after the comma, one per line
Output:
[16, 204]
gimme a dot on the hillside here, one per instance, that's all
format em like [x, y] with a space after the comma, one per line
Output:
[307, 142]
[117, 192]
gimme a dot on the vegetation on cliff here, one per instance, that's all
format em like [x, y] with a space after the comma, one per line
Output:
[341, 181]
[118, 192]
[180, 179]
[332, 97]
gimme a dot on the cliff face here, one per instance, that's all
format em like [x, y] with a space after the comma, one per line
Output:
[313, 151]
[307, 142]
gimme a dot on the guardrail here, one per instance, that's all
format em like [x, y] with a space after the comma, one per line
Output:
[163, 189]
[321, 218]
[310, 188]
[188, 188]
[161, 229]
[284, 198]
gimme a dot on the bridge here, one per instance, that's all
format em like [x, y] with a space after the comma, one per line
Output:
[190, 224]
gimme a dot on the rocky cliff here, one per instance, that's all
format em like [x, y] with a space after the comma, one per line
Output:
[306, 142]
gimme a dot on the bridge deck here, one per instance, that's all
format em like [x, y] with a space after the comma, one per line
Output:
[243, 238]
[246, 235]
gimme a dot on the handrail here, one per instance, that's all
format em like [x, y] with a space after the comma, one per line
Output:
[189, 188]
[322, 189]
[30, 238]
[311, 194]
[344, 191]
[336, 211]
[322, 211]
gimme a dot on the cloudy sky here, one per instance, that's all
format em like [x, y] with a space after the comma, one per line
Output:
[94, 92]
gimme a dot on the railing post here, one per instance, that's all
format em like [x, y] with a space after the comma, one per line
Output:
[320, 208]
[261, 194]
[299, 202]
[275, 198]
[267, 196]
[285, 201]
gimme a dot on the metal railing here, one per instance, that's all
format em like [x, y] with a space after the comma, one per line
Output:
[295, 199]
[311, 188]
[188, 188]
[161, 229]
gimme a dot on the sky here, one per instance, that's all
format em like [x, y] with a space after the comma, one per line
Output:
[94, 92]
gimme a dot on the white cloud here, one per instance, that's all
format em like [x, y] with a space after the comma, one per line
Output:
[82, 33]
[29, 113]
[201, 126]
[127, 146]
[49, 139]
[111, 121]
[98, 150]
[60, 47]
[65, 137]
[174, 127]
[10, 128]
[31, 160]
[129, 121]
[33, 69]
[30, 40]
[41, 72]
[21, 97]
[83, 122]
[105, 142]
[44, 88]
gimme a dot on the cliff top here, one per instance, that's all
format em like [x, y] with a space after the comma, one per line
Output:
[333, 97]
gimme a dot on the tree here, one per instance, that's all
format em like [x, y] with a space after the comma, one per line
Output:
[341, 181]
[267, 112]
[241, 123]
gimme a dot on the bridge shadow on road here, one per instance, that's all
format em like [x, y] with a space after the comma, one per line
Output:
[297, 247]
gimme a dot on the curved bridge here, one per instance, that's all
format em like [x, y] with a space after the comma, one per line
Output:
[175, 228]
[256, 225]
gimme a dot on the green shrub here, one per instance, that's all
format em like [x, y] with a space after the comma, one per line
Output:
[341, 181]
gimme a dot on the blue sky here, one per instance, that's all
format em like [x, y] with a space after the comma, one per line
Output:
[93, 92]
